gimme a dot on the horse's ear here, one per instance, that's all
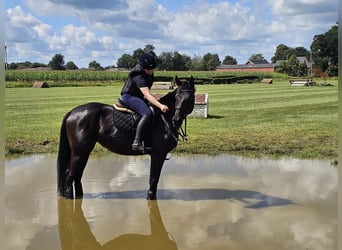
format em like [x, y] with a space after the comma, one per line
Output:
[178, 82]
[192, 81]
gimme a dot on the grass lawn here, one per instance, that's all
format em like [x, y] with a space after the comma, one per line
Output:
[250, 119]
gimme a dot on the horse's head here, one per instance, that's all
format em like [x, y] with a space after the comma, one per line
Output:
[185, 101]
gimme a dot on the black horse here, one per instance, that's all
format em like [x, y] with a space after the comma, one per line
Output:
[87, 124]
[75, 232]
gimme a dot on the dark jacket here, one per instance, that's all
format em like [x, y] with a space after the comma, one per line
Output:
[136, 79]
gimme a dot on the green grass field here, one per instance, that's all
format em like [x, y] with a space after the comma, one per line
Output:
[250, 119]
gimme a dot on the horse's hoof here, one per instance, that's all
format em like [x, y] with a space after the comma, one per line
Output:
[151, 195]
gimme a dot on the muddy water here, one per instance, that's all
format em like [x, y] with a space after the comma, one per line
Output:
[221, 202]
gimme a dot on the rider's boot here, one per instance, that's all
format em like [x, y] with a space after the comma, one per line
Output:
[138, 144]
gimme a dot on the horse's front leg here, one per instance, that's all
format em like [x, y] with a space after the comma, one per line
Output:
[157, 162]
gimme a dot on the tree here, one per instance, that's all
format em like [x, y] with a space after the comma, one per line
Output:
[95, 65]
[186, 60]
[257, 57]
[210, 61]
[71, 65]
[57, 62]
[129, 61]
[282, 67]
[325, 51]
[229, 60]
[126, 61]
[12, 66]
[293, 67]
[173, 61]
[165, 61]
[37, 65]
[196, 63]
[284, 52]
[301, 51]
[25, 64]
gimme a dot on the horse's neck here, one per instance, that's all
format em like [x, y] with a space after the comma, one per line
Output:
[169, 101]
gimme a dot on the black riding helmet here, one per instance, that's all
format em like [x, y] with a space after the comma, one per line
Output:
[147, 61]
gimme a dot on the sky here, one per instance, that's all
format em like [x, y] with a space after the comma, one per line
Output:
[103, 30]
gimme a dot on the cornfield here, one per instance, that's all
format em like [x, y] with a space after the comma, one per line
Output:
[25, 78]
[63, 76]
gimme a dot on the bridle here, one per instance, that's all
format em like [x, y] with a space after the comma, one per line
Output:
[181, 132]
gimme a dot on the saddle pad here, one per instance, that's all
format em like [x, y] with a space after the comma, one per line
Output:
[125, 122]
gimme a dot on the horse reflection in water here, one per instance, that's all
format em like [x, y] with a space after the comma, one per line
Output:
[75, 233]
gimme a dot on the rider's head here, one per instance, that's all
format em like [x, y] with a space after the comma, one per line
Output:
[147, 61]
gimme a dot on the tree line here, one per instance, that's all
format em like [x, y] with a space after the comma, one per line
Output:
[323, 57]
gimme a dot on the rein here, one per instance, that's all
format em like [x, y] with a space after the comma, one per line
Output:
[181, 131]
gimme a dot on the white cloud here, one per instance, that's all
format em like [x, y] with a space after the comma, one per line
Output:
[300, 7]
[30, 39]
[108, 29]
[81, 36]
[46, 8]
[212, 22]
[16, 25]
[43, 30]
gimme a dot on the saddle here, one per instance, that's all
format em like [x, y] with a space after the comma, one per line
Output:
[125, 119]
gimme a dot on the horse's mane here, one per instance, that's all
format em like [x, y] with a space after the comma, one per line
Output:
[169, 98]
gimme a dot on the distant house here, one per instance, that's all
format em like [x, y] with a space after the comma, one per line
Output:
[262, 61]
[249, 66]
[301, 59]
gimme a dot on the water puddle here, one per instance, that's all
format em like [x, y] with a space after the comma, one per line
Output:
[222, 202]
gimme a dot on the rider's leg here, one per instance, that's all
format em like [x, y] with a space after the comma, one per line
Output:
[140, 133]
[138, 105]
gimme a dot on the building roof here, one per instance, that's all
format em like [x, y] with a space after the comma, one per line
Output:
[301, 59]
[254, 64]
[262, 61]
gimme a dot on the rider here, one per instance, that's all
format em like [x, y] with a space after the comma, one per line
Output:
[136, 95]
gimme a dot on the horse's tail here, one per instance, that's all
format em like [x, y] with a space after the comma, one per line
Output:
[63, 158]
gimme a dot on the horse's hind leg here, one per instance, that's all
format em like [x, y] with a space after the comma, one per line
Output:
[68, 191]
[78, 162]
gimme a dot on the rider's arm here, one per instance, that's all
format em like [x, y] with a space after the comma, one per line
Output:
[153, 100]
